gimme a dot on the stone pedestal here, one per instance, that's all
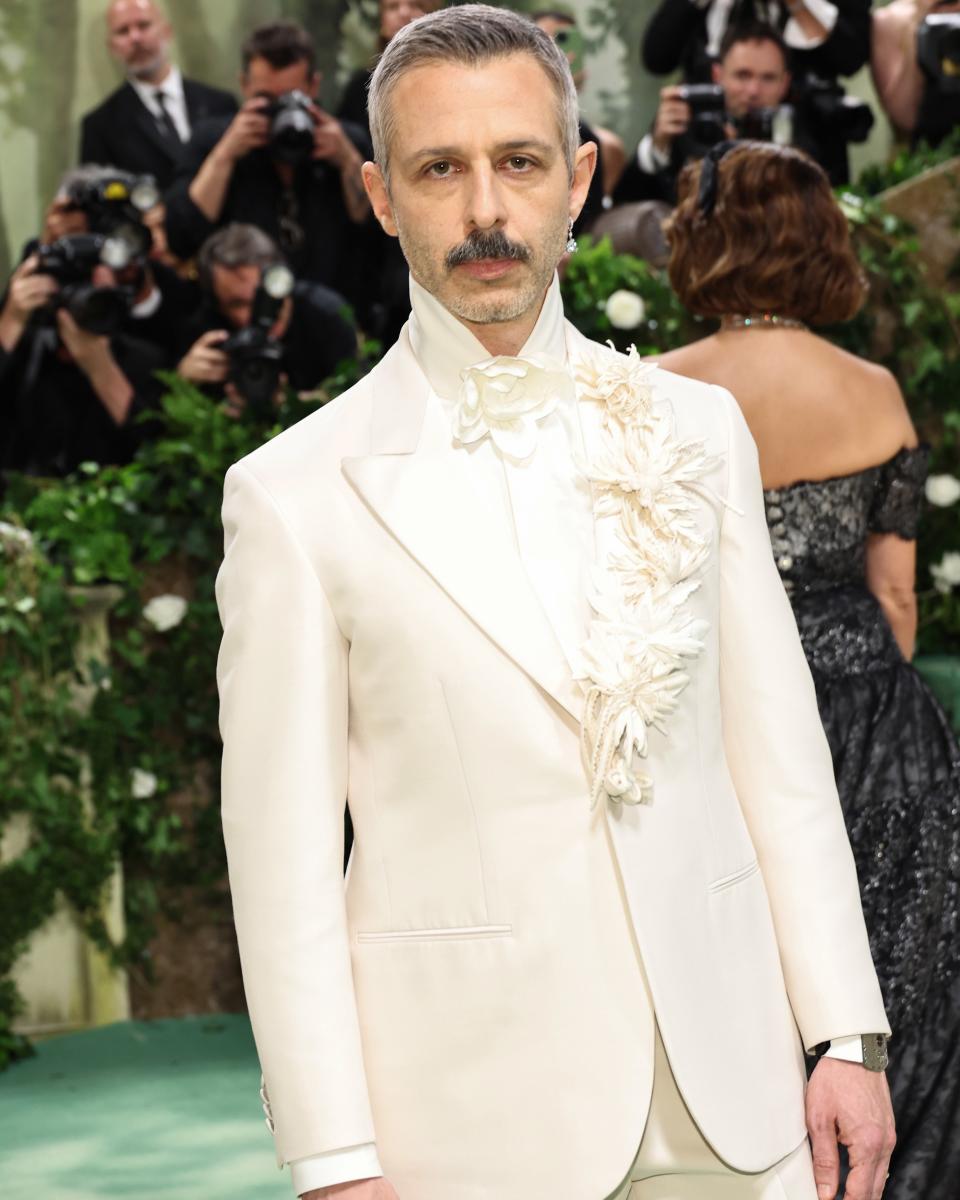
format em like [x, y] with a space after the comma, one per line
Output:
[66, 982]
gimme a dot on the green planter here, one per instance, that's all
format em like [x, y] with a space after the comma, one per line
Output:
[942, 673]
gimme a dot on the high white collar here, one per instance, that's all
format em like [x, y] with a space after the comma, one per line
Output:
[444, 346]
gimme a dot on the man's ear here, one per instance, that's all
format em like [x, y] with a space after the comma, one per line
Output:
[584, 166]
[313, 87]
[716, 72]
[379, 197]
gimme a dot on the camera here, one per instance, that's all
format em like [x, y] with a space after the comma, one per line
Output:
[291, 127]
[709, 118]
[938, 50]
[115, 205]
[825, 106]
[255, 356]
[708, 107]
[71, 262]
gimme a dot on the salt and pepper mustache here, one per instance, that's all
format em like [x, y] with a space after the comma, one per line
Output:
[481, 245]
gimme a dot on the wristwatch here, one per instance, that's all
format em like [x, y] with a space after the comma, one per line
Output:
[874, 1045]
[867, 1049]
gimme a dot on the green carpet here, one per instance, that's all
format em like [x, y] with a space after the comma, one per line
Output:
[155, 1110]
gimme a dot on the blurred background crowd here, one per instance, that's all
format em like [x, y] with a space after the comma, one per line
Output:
[225, 233]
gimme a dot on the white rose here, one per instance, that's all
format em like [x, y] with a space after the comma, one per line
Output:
[625, 310]
[13, 533]
[143, 784]
[164, 612]
[946, 573]
[505, 398]
[943, 490]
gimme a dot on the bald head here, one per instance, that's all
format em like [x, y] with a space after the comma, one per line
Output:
[138, 36]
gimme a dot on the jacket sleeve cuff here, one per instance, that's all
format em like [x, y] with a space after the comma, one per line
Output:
[649, 158]
[335, 1166]
[849, 1048]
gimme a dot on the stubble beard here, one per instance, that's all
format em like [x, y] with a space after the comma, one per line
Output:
[145, 72]
[478, 309]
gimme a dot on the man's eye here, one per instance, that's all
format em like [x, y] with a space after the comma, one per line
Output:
[439, 168]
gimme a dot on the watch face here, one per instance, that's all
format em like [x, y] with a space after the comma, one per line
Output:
[874, 1051]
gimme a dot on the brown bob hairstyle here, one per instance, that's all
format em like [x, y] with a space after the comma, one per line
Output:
[775, 241]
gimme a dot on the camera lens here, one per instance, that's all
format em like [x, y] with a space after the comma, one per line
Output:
[98, 310]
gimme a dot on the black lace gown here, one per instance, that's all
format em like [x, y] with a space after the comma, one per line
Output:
[898, 772]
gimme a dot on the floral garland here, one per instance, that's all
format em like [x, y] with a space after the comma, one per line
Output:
[632, 664]
[633, 661]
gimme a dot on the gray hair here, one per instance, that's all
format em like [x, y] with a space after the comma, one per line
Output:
[470, 34]
[235, 245]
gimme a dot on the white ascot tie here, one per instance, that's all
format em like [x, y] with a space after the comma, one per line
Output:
[506, 397]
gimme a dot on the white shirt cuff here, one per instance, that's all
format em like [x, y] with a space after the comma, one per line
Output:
[825, 12]
[849, 1049]
[335, 1166]
[649, 158]
[148, 305]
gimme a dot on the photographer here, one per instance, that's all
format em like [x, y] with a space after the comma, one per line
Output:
[915, 62]
[142, 126]
[240, 335]
[72, 380]
[281, 164]
[750, 81]
[824, 41]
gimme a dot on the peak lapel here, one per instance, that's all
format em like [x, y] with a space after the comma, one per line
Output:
[443, 511]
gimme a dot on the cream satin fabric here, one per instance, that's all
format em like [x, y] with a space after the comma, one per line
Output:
[474, 1002]
[674, 1161]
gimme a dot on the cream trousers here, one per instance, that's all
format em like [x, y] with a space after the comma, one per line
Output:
[675, 1163]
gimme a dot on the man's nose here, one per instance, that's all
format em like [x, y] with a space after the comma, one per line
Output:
[485, 204]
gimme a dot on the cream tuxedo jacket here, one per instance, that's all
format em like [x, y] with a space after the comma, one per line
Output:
[477, 999]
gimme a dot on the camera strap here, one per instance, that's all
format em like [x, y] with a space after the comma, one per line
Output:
[43, 342]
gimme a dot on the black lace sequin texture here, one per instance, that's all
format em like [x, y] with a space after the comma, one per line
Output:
[898, 774]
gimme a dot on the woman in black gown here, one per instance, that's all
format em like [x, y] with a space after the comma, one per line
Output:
[759, 242]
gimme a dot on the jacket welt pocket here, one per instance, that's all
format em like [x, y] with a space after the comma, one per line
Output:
[728, 881]
[444, 934]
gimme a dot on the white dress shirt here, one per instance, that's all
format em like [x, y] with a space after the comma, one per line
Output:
[551, 508]
[173, 99]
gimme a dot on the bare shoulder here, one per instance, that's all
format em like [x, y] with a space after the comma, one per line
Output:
[877, 394]
[689, 360]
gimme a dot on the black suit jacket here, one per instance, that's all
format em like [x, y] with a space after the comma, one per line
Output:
[122, 133]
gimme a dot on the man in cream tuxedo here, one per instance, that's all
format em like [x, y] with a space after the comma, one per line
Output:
[512, 596]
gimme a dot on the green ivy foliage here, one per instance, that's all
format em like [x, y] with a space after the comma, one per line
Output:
[105, 780]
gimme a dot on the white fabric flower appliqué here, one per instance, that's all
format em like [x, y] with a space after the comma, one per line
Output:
[505, 398]
[642, 636]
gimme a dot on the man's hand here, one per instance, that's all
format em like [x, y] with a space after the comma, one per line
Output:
[357, 1189]
[248, 130]
[28, 291]
[203, 362]
[90, 351]
[849, 1104]
[330, 143]
[673, 118]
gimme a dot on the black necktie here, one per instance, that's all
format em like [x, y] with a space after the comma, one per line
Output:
[164, 120]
